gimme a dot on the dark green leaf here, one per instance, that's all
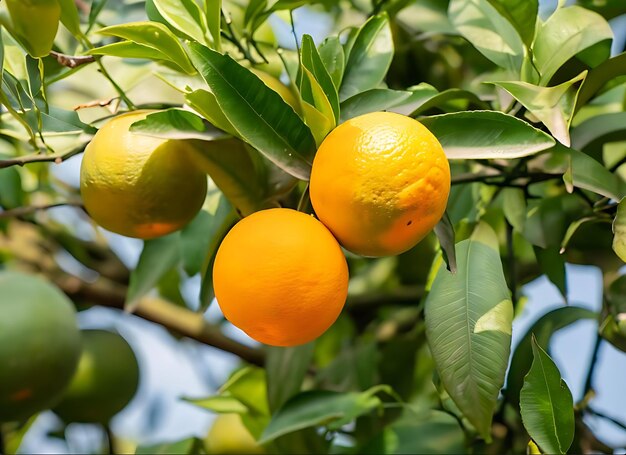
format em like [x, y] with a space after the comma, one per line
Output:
[157, 258]
[619, 231]
[11, 193]
[565, 34]
[522, 14]
[333, 57]
[286, 369]
[316, 408]
[445, 234]
[481, 24]
[542, 329]
[155, 36]
[546, 404]
[486, 134]
[369, 57]
[552, 263]
[440, 100]
[599, 76]
[468, 318]
[374, 100]
[258, 113]
[177, 124]
[598, 130]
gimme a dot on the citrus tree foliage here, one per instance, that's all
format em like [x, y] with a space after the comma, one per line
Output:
[529, 110]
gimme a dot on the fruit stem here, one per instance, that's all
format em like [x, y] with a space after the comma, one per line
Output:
[117, 88]
[110, 438]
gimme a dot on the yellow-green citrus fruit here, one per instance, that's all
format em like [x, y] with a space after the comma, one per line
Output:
[281, 277]
[40, 345]
[140, 186]
[36, 23]
[275, 84]
[228, 435]
[380, 182]
[105, 382]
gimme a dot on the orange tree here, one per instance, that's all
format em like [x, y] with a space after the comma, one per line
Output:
[528, 110]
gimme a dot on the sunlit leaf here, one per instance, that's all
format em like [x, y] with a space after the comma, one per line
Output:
[619, 231]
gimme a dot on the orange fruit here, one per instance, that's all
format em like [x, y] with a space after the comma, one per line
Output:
[140, 186]
[281, 277]
[380, 182]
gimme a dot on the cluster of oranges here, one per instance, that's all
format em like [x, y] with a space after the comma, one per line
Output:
[379, 184]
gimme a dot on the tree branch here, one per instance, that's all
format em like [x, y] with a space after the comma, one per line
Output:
[180, 320]
[27, 210]
[56, 158]
[72, 61]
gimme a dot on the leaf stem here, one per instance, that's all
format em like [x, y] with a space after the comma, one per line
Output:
[110, 439]
[604, 416]
[511, 262]
[592, 364]
[117, 88]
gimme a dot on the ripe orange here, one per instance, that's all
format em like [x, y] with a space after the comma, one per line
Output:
[380, 182]
[281, 277]
[140, 186]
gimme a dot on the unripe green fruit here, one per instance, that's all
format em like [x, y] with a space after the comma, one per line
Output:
[105, 381]
[39, 345]
[35, 22]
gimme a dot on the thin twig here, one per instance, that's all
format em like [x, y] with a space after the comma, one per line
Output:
[56, 158]
[604, 416]
[511, 262]
[592, 364]
[72, 61]
[27, 210]
[117, 88]
[110, 439]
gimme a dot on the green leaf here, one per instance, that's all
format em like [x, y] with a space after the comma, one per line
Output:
[155, 36]
[320, 407]
[491, 34]
[468, 318]
[599, 129]
[619, 231]
[445, 234]
[191, 446]
[222, 404]
[486, 134]
[427, 16]
[374, 100]
[546, 404]
[369, 57]
[205, 104]
[213, 11]
[11, 192]
[542, 330]
[599, 76]
[333, 58]
[258, 113]
[521, 14]
[312, 61]
[129, 49]
[186, 17]
[430, 432]
[157, 258]
[566, 33]
[553, 106]
[548, 218]
[317, 110]
[552, 264]
[70, 18]
[286, 369]
[222, 220]
[177, 124]
[440, 100]
[514, 207]
[196, 237]
[587, 173]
